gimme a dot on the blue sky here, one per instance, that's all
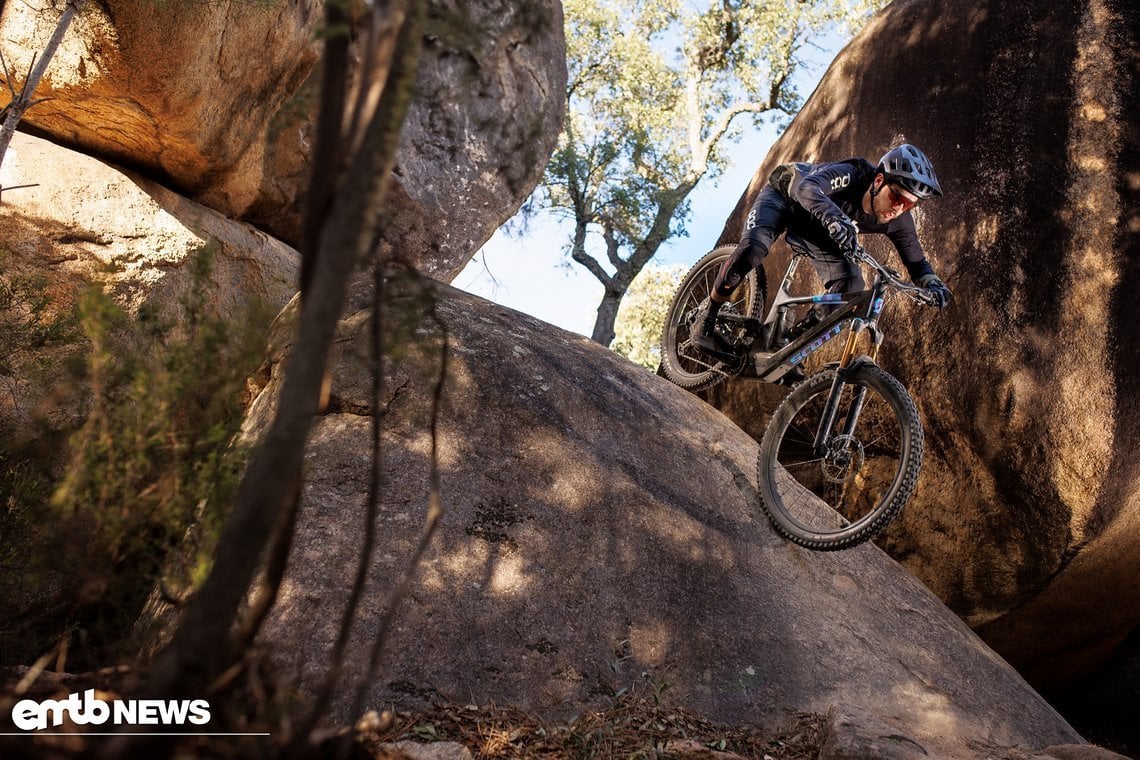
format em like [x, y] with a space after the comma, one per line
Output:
[531, 273]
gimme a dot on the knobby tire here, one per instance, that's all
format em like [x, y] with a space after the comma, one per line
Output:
[847, 497]
[681, 361]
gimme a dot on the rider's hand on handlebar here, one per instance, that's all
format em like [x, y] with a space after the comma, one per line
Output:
[937, 289]
[845, 234]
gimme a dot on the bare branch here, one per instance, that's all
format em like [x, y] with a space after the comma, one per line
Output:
[578, 253]
[705, 147]
[328, 154]
[612, 245]
[659, 231]
[434, 515]
[203, 645]
[15, 187]
[274, 573]
[23, 101]
[8, 76]
[336, 661]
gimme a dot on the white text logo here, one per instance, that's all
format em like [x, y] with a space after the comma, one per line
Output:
[30, 715]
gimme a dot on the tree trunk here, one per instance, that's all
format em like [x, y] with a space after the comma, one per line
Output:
[23, 101]
[607, 316]
[203, 646]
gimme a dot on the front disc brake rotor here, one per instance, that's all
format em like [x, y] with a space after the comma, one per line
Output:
[844, 458]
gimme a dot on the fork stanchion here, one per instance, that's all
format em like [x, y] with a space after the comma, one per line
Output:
[852, 338]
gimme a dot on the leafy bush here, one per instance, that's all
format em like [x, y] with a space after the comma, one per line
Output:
[39, 348]
[641, 316]
[149, 473]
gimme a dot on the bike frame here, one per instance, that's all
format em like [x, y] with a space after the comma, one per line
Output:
[861, 310]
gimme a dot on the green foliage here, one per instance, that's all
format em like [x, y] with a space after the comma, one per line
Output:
[155, 454]
[40, 348]
[147, 477]
[29, 324]
[656, 89]
[642, 314]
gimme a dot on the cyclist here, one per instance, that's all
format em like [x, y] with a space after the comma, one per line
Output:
[821, 209]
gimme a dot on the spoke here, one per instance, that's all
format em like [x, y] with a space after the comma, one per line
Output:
[802, 463]
[799, 435]
[839, 492]
[707, 281]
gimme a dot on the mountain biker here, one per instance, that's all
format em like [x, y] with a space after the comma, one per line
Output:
[821, 209]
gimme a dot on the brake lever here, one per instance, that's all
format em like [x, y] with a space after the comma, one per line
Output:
[861, 256]
[922, 296]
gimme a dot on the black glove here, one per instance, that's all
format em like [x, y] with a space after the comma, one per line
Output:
[936, 288]
[845, 234]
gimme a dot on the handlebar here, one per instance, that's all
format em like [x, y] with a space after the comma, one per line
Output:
[920, 294]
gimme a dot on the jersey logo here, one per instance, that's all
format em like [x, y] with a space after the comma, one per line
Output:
[841, 182]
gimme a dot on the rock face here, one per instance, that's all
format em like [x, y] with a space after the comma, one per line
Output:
[169, 88]
[490, 101]
[1028, 510]
[234, 131]
[590, 543]
[86, 219]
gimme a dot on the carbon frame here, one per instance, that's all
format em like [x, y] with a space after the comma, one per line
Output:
[769, 367]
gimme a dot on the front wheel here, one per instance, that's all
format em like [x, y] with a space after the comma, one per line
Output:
[681, 361]
[848, 489]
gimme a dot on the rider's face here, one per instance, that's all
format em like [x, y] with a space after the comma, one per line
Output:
[891, 200]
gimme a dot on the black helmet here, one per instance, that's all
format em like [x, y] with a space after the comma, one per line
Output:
[908, 167]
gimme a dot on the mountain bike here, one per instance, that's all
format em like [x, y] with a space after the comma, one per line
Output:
[841, 455]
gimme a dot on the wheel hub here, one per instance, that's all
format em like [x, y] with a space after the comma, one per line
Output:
[844, 458]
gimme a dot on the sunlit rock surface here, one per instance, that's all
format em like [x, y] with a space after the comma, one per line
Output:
[183, 91]
[80, 218]
[218, 101]
[69, 222]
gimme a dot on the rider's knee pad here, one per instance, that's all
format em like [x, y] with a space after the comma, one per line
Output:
[747, 256]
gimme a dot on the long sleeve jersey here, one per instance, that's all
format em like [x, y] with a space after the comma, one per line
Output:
[830, 190]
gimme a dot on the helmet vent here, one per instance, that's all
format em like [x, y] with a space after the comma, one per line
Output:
[909, 167]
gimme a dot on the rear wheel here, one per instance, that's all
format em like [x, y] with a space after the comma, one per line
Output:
[681, 361]
[850, 488]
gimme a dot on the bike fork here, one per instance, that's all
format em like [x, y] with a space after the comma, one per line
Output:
[831, 409]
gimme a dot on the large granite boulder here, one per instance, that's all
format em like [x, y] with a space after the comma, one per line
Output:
[79, 221]
[489, 106]
[182, 91]
[1027, 517]
[84, 221]
[490, 98]
[600, 532]
[234, 130]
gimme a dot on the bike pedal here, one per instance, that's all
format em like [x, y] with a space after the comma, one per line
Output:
[728, 357]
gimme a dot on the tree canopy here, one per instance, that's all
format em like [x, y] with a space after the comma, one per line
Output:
[655, 87]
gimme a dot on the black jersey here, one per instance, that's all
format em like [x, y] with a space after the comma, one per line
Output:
[829, 190]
